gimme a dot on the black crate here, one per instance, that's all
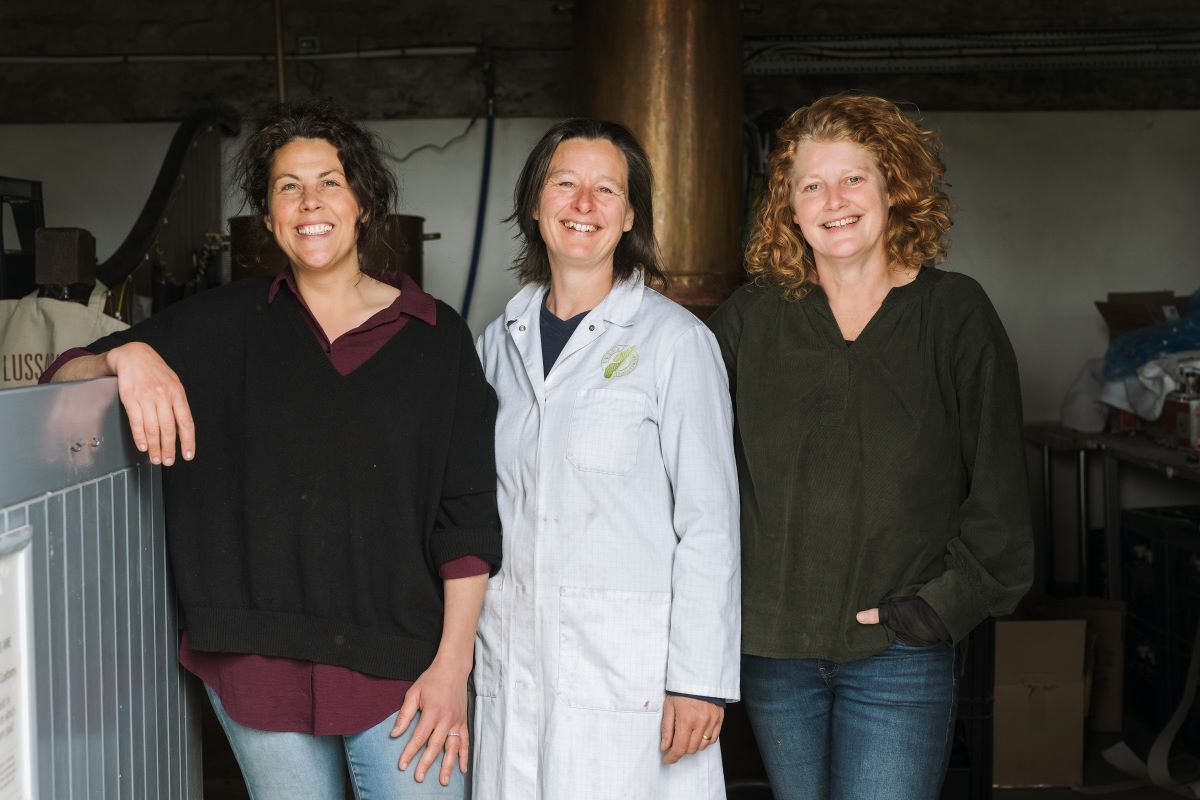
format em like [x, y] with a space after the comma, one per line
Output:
[1152, 683]
[1184, 581]
[1181, 657]
[1097, 566]
[1185, 564]
[1161, 567]
[1144, 571]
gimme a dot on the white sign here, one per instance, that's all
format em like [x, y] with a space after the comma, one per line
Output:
[17, 709]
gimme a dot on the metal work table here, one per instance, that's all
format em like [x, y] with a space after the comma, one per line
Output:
[1114, 449]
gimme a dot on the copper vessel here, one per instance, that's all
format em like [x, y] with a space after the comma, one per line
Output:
[671, 71]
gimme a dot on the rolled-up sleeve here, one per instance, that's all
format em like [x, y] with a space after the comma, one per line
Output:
[467, 522]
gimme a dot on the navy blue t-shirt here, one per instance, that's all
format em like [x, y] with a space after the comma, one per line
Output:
[555, 334]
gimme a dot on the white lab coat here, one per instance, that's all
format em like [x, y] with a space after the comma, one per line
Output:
[621, 575]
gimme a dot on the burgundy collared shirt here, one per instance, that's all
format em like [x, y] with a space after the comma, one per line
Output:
[291, 695]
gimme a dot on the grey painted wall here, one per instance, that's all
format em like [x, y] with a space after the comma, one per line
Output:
[1053, 210]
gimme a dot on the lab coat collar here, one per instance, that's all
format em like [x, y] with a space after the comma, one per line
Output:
[521, 318]
[619, 306]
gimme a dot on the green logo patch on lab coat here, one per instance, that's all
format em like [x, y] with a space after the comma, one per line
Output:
[619, 361]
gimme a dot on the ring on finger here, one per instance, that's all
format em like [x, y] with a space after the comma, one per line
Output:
[452, 733]
[706, 737]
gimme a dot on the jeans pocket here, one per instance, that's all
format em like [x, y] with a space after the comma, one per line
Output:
[603, 435]
[612, 649]
[490, 639]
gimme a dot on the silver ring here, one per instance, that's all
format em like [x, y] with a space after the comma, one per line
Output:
[453, 734]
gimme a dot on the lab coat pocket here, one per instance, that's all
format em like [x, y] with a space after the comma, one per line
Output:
[613, 648]
[603, 436]
[490, 639]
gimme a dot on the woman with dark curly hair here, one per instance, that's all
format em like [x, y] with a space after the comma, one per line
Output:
[331, 542]
[882, 474]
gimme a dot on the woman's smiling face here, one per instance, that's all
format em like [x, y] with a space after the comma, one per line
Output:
[840, 202]
[311, 209]
[583, 210]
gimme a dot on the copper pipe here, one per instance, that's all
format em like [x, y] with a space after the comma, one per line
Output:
[279, 63]
[671, 70]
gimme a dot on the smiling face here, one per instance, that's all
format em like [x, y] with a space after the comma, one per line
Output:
[311, 209]
[840, 201]
[583, 210]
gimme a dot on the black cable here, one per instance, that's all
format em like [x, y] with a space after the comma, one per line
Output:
[485, 182]
[435, 147]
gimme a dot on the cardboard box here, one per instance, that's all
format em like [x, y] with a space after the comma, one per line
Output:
[1106, 640]
[1041, 701]
[1127, 311]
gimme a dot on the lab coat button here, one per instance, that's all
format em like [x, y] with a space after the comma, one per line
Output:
[521, 328]
[591, 327]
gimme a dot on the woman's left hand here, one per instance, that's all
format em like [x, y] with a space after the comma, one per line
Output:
[440, 695]
[688, 726]
[911, 618]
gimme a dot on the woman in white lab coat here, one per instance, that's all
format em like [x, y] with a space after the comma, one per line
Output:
[609, 640]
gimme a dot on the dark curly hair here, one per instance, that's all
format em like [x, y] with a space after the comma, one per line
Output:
[360, 152]
[907, 156]
[637, 249]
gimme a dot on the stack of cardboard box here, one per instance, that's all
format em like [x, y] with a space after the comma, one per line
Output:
[1055, 672]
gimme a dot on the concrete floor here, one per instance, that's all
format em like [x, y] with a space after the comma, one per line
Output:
[1098, 773]
[222, 781]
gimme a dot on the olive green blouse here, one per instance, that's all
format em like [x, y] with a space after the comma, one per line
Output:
[894, 466]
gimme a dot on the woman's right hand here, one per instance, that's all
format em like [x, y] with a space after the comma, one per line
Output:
[155, 402]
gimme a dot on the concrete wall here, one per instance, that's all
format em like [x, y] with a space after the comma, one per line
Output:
[1054, 209]
[98, 176]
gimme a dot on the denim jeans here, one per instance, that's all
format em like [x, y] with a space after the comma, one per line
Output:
[300, 766]
[876, 728]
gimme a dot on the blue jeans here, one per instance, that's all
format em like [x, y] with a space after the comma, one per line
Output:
[876, 728]
[300, 766]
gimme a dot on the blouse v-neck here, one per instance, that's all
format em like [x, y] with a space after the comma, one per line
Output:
[356, 347]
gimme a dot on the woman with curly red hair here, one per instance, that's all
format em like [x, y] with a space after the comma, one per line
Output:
[884, 504]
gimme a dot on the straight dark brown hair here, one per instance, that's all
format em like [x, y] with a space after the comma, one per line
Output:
[637, 249]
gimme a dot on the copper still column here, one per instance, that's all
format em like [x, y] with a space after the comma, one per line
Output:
[671, 71]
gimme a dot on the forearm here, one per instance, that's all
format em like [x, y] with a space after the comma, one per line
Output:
[103, 365]
[83, 368]
[464, 599]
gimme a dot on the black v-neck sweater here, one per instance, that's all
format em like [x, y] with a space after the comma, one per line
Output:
[313, 520]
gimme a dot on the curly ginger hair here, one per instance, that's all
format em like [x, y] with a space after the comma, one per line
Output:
[907, 156]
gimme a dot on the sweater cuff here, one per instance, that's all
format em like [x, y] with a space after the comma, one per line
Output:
[450, 544]
[955, 602]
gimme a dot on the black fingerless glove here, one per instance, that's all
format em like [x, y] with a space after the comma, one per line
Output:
[913, 621]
